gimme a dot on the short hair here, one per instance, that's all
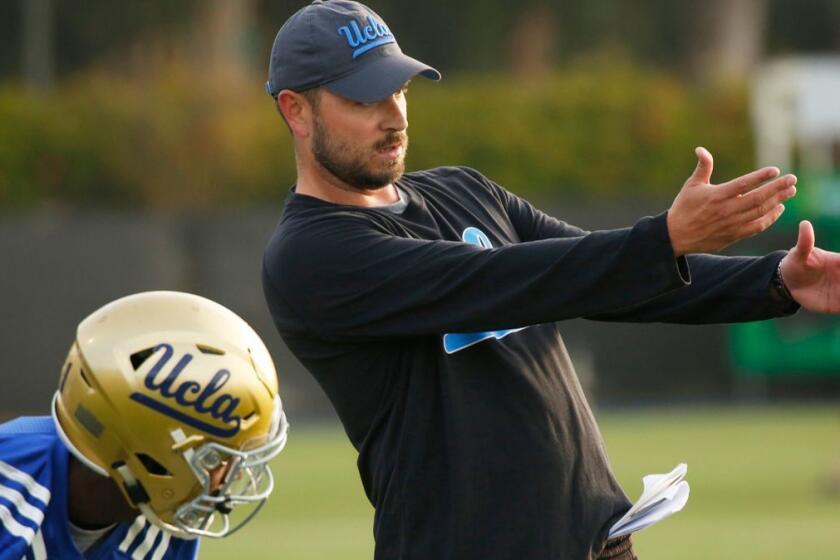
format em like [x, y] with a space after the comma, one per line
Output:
[313, 95]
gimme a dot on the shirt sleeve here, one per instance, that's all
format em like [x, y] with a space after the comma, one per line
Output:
[24, 494]
[723, 290]
[345, 278]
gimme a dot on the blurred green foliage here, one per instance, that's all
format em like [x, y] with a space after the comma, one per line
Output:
[600, 126]
[166, 143]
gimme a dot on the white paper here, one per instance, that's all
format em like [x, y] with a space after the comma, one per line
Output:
[663, 495]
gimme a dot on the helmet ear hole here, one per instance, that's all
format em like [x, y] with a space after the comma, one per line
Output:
[152, 466]
[138, 358]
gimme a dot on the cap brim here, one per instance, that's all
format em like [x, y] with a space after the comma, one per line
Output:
[380, 78]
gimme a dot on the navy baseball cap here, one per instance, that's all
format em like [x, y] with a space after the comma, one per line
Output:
[343, 46]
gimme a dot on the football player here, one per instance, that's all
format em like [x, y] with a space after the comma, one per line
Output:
[165, 419]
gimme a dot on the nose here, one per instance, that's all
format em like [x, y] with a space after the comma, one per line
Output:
[396, 112]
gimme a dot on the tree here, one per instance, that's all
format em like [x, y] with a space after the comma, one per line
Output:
[37, 53]
[727, 38]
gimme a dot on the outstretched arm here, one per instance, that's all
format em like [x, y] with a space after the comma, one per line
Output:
[704, 217]
[811, 274]
[722, 290]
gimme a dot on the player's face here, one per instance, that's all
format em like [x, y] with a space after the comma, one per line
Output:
[217, 477]
[362, 144]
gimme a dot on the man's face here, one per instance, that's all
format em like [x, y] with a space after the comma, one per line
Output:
[363, 145]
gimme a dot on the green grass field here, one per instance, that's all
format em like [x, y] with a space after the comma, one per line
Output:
[757, 487]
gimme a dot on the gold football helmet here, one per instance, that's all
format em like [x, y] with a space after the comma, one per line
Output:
[175, 398]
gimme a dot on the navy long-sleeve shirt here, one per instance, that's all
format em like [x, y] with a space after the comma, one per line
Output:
[434, 332]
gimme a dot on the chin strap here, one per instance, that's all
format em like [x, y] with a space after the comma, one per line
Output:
[135, 491]
[140, 498]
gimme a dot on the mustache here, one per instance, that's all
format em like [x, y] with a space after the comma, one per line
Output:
[391, 139]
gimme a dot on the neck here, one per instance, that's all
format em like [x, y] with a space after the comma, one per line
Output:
[315, 181]
[94, 501]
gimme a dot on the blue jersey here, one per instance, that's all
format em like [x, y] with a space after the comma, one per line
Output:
[33, 505]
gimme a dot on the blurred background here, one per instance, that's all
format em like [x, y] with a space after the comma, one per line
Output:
[139, 151]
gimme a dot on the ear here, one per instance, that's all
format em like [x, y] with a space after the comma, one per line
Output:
[297, 112]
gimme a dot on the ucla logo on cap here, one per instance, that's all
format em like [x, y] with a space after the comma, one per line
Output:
[362, 39]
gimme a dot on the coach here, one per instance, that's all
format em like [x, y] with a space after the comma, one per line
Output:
[426, 304]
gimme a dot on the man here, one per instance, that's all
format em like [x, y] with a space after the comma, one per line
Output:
[426, 306]
[164, 421]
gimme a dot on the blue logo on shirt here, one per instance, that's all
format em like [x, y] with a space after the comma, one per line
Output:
[372, 35]
[190, 394]
[454, 342]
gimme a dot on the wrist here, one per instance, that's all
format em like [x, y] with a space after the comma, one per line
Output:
[675, 246]
[777, 283]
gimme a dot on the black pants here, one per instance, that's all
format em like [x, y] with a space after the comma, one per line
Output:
[618, 549]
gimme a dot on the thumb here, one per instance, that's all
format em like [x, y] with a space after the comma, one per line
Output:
[805, 241]
[703, 171]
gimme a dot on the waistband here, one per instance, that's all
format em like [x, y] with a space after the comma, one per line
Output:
[618, 549]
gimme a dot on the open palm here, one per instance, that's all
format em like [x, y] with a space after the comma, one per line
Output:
[812, 274]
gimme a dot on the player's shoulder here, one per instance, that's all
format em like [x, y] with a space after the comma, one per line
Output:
[26, 479]
[26, 456]
[26, 442]
[25, 426]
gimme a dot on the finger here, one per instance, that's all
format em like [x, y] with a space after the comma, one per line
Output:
[805, 242]
[705, 164]
[748, 182]
[758, 202]
[760, 224]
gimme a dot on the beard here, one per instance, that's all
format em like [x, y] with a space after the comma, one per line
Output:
[356, 165]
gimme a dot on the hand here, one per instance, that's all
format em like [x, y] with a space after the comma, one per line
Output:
[812, 275]
[705, 218]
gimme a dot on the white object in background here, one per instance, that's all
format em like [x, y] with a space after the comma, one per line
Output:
[796, 116]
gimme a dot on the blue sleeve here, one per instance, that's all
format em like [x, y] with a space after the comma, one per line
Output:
[25, 475]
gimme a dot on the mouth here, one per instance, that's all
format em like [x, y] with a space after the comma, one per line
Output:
[393, 151]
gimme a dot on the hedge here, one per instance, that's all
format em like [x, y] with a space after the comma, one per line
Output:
[601, 127]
